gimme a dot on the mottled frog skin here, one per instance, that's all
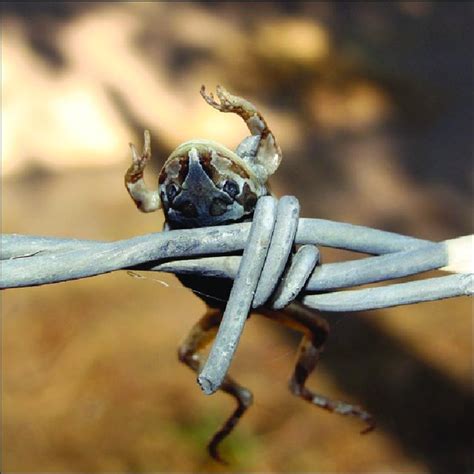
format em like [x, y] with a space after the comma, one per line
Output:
[203, 183]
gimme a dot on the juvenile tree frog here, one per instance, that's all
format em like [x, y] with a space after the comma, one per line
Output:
[203, 183]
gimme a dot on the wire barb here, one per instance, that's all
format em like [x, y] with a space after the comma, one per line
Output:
[241, 297]
[267, 274]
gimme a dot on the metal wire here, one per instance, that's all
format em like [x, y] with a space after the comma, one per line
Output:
[241, 297]
[267, 274]
[32, 260]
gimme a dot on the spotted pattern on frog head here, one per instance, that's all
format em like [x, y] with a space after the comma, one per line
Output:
[239, 175]
[202, 186]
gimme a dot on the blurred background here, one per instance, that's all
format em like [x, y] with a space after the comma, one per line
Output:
[372, 105]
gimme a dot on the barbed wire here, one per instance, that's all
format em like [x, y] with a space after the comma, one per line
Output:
[267, 273]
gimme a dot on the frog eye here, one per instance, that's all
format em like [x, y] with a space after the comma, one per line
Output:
[187, 208]
[231, 188]
[218, 207]
[171, 191]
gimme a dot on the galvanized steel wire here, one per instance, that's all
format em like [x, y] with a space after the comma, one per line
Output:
[266, 274]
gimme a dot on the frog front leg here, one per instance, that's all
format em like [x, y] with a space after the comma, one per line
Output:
[145, 199]
[261, 150]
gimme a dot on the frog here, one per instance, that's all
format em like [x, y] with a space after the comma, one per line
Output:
[203, 183]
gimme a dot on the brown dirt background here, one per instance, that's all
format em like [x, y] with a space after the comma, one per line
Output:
[372, 104]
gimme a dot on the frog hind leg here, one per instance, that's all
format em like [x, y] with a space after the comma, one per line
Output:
[201, 334]
[315, 331]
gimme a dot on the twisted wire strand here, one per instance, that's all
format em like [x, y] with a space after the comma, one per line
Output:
[266, 274]
[261, 273]
[32, 260]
